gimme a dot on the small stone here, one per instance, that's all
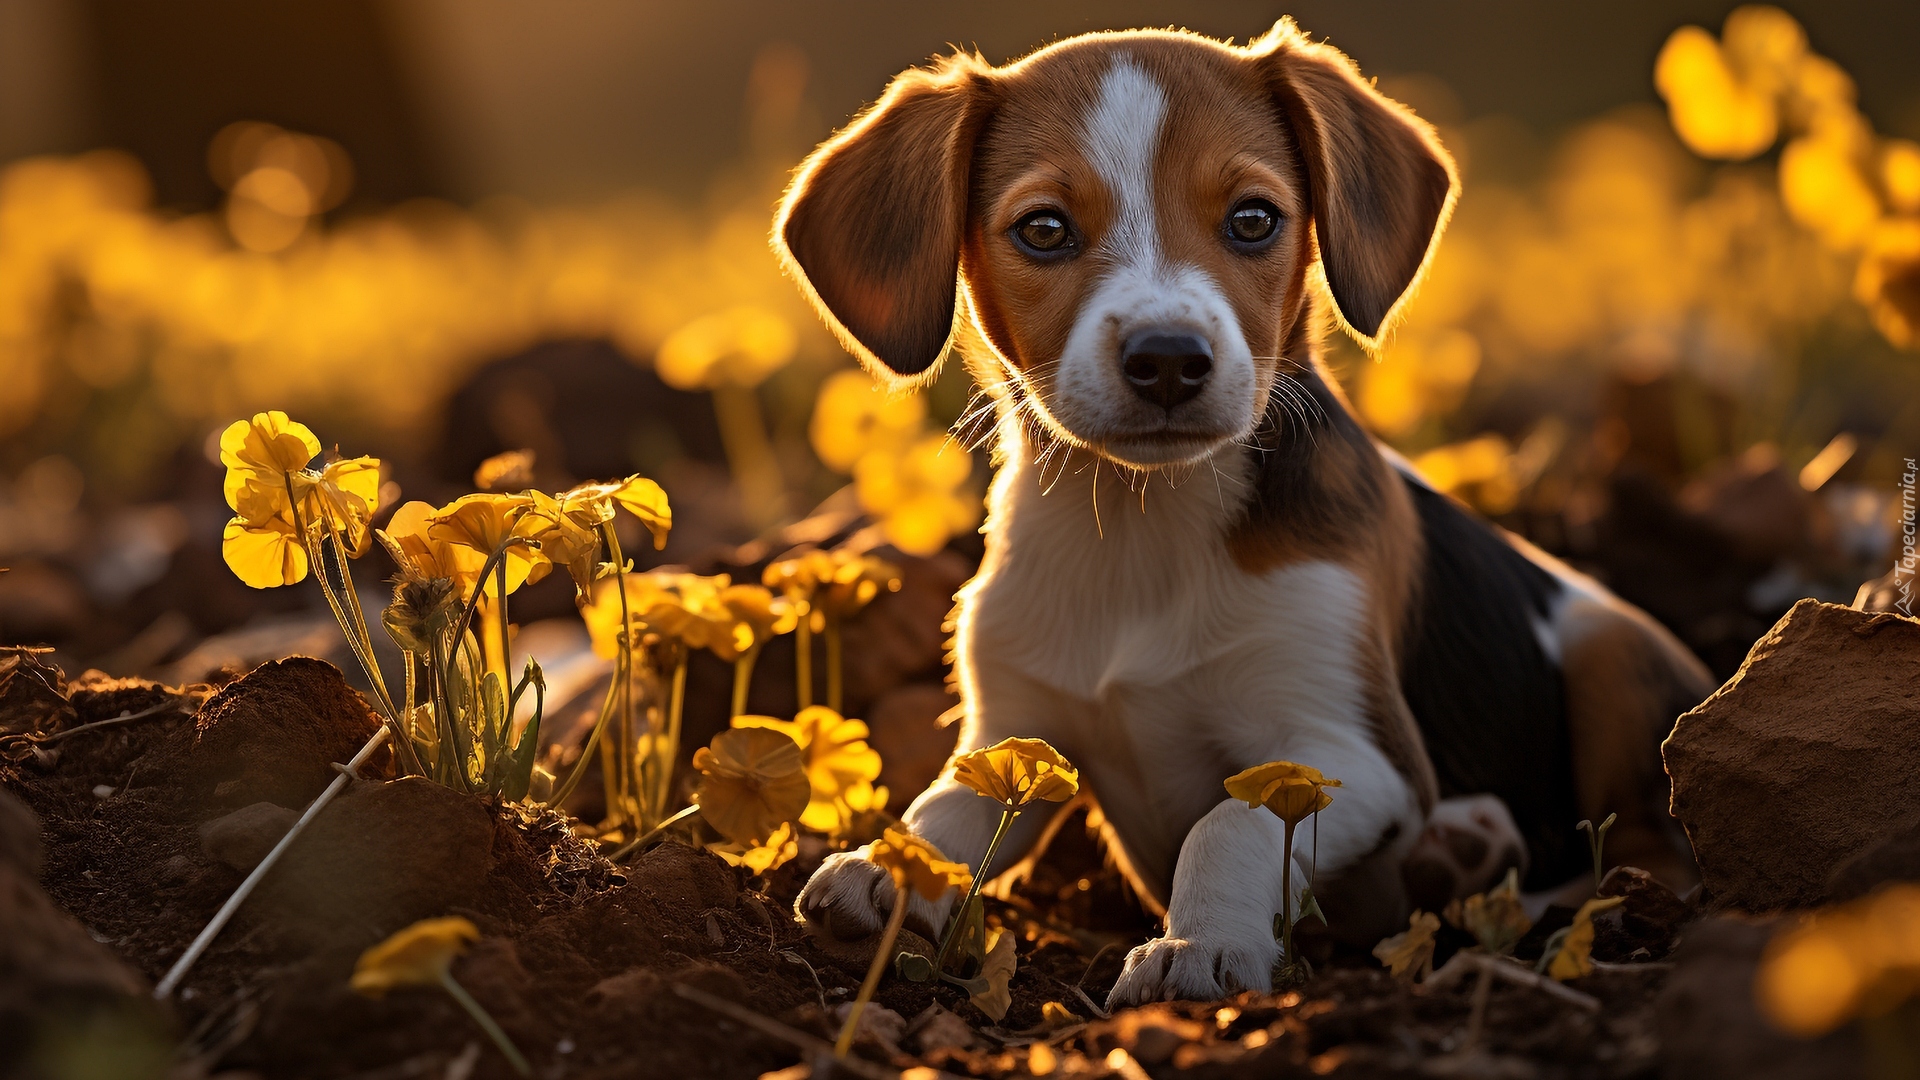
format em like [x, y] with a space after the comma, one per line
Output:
[1804, 760]
[241, 839]
[1645, 926]
[940, 1028]
[877, 1023]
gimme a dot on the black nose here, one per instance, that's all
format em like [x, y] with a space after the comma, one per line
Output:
[1166, 367]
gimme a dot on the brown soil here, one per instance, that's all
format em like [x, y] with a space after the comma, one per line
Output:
[578, 956]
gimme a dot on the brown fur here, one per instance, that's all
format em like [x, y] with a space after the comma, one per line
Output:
[1626, 679]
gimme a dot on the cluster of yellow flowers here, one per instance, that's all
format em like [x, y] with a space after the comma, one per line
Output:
[1621, 257]
[909, 474]
[264, 305]
[1732, 98]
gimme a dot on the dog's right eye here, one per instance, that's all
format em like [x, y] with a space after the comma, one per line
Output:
[1044, 232]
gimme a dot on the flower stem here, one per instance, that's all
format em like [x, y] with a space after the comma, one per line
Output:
[872, 982]
[1007, 814]
[1286, 898]
[743, 679]
[833, 663]
[499, 1037]
[632, 845]
[750, 455]
[803, 660]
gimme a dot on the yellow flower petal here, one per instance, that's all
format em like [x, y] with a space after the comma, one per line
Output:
[647, 501]
[1290, 790]
[997, 975]
[1575, 957]
[482, 523]
[266, 447]
[1015, 772]
[916, 864]
[264, 554]
[1409, 953]
[419, 955]
[762, 858]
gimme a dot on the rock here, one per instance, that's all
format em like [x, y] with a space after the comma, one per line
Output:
[1643, 928]
[685, 878]
[1806, 758]
[274, 734]
[939, 1028]
[1895, 859]
[877, 1024]
[64, 998]
[241, 839]
[1710, 1028]
[379, 857]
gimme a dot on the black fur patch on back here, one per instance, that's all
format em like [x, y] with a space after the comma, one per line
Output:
[1490, 703]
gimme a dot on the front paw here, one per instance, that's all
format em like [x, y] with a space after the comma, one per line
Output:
[850, 898]
[1200, 968]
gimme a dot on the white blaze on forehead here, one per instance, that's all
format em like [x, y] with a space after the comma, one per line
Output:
[1121, 136]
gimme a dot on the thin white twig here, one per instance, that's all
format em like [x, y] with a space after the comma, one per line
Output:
[225, 914]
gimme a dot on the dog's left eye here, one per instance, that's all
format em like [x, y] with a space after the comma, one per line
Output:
[1044, 232]
[1253, 221]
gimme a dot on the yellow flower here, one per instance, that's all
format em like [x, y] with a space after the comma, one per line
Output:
[508, 471]
[267, 448]
[1409, 954]
[752, 781]
[409, 539]
[564, 541]
[1575, 957]
[763, 857]
[1495, 918]
[274, 495]
[918, 493]
[420, 955]
[739, 347]
[1290, 790]
[1858, 959]
[852, 415]
[917, 865]
[1015, 772]
[838, 760]
[481, 523]
[1888, 281]
[856, 579]
[1714, 110]
[663, 604]
[753, 616]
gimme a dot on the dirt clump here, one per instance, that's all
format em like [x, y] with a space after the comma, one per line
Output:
[272, 735]
[1804, 760]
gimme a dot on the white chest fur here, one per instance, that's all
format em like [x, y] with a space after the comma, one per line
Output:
[1132, 640]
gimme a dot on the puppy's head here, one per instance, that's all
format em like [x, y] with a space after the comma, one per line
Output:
[1128, 219]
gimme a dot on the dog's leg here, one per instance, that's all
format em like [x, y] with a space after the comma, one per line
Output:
[849, 897]
[1227, 886]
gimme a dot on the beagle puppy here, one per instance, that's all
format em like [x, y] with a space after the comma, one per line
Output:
[1196, 559]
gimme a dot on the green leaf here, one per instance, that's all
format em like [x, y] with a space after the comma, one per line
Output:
[516, 774]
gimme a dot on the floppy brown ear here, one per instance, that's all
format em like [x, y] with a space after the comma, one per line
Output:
[1381, 185]
[871, 225]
